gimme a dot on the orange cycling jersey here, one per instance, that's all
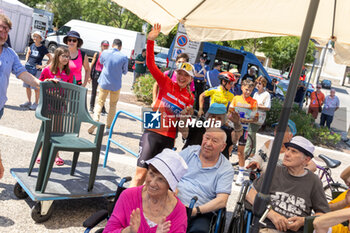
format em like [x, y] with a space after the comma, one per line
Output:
[246, 107]
[171, 99]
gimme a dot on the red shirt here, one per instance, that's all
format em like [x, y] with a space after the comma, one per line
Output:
[60, 76]
[314, 102]
[171, 99]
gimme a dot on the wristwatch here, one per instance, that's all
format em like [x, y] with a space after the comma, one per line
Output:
[198, 210]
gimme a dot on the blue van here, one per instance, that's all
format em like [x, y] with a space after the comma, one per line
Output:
[230, 58]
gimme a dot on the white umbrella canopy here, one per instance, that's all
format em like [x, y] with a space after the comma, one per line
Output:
[220, 20]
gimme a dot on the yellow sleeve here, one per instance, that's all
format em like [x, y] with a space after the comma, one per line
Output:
[339, 198]
[209, 92]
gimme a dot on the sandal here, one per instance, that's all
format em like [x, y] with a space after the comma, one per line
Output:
[38, 160]
[59, 161]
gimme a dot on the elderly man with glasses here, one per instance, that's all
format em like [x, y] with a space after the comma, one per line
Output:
[317, 99]
[9, 62]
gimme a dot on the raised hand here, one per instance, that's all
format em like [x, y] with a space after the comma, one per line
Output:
[135, 221]
[152, 35]
[164, 226]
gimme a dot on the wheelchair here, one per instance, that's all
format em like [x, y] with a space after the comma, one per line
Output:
[218, 221]
[101, 215]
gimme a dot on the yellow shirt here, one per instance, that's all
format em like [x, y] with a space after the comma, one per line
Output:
[340, 228]
[219, 95]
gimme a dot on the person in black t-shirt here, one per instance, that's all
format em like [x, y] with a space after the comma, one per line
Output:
[194, 135]
[251, 75]
[34, 57]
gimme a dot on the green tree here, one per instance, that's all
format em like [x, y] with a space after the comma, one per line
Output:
[32, 3]
[282, 51]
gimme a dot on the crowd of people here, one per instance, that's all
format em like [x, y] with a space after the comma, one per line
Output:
[166, 180]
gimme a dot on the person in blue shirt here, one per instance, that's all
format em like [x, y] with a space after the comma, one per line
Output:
[115, 64]
[9, 62]
[213, 75]
[209, 177]
[200, 71]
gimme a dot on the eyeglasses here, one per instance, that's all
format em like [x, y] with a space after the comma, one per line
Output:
[65, 56]
[259, 83]
[72, 40]
[4, 28]
[318, 87]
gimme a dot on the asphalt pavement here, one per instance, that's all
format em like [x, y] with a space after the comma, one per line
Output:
[18, 132]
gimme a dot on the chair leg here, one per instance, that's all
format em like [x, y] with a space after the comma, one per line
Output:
[74, 163]
[45, 153]
[34, 157]
[48, 169]
[36, 150]
[93, 169]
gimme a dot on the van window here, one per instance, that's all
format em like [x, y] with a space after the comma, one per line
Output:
[63, 31]
[229, 60]
[40, 25]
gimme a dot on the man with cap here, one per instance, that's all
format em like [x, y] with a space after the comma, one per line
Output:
[161, 210]
[209, 177]
[34, 57]
[295, 192]
[200, 70]
[173, 100]
[216, 112]
[115, 64]
[96, 69]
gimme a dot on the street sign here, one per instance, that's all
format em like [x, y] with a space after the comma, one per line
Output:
[182, 40]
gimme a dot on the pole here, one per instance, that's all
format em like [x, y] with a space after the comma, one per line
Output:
[308, 81]
[262, 198]
[322, 61]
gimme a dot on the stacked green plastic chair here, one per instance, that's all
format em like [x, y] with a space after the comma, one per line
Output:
[62, 109]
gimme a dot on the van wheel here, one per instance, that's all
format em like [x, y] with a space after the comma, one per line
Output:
[52, 48]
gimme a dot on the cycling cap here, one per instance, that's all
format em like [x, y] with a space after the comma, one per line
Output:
[186, 67]
[227, 76]
[105, 42]
[171, 165]
[291, 125]
[217, 109]
[302, 144]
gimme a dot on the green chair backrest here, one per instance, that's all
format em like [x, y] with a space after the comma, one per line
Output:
[63, 103]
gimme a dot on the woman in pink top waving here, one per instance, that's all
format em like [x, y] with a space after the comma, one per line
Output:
[78, 58]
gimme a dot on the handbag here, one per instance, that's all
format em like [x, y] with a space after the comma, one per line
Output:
[319, 105]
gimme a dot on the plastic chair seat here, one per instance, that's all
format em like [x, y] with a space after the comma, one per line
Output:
[72, 143]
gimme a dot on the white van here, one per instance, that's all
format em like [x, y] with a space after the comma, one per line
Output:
[93, 34]
[40, 23]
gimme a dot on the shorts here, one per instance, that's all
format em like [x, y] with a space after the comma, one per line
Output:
[243, 139]
[151, 144]
[33, 71]
[1, 112]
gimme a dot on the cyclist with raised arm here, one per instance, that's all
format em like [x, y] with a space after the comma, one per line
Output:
[173, 100]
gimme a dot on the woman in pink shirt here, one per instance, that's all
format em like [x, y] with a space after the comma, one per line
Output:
[78, 58]
[153, 208]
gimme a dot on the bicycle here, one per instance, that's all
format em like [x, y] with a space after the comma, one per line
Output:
[325, 174]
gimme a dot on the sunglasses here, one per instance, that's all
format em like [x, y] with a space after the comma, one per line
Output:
[185, 66]
[318, 87]
[72, 40]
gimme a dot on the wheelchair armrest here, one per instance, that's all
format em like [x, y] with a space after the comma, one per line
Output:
[95, 218]
[191, 205]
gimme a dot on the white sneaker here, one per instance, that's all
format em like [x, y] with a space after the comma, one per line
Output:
[240, 179]
[26, 105]
[108, 130]
[33, 106]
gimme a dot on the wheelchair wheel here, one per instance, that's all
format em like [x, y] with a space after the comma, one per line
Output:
[37, 216]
